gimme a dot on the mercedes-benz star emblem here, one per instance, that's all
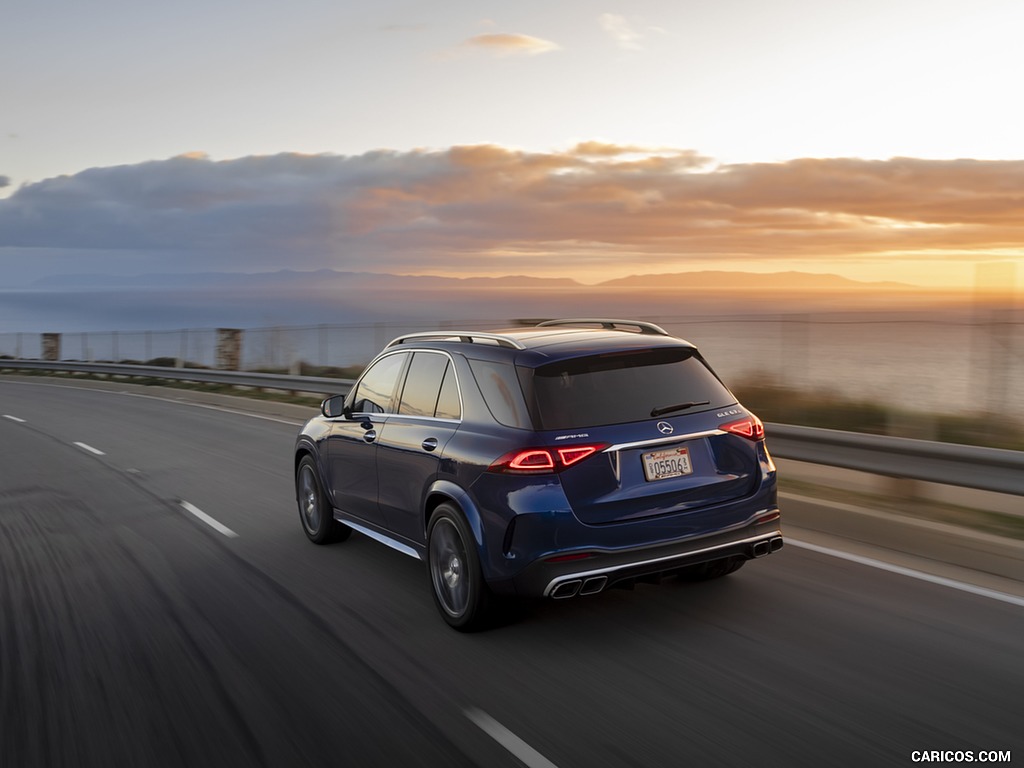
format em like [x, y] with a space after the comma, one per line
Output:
[665, 428]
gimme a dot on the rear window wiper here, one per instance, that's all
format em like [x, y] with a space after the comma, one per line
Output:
[677, 407]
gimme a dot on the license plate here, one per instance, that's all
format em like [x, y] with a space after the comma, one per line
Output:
[661, 465]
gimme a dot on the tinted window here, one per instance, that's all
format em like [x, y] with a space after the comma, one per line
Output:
[448, 404]
[501, 391]
[377, 388]
[422, 384]
[622, 387]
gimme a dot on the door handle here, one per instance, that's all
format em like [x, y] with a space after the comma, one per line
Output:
[429, 444]
[370, 435]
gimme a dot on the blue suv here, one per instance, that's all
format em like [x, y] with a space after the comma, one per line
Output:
[549, 461]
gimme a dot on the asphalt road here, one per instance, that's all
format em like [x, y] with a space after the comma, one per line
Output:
[133, 633]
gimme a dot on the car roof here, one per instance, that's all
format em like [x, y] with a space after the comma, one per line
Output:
[537, 345]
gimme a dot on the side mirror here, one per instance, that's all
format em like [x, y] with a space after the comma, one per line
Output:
[333, 407]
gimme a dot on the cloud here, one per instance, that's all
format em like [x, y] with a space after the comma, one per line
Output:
[620, 31]
[5, 181]
[487, 208]
[605, 149]
[503, 44]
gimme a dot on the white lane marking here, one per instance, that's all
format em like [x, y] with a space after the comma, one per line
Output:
[289, 422]
[529, 756]
[192, 509]
[178, 401]
[90, 449]
[921, 575]
[14, 418]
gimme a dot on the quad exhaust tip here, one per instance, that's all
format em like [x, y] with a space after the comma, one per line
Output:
[766, 547]
[566, 589]
[591, 586]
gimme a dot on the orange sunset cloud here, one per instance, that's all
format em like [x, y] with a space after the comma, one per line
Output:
[513, 44]
[593, 211]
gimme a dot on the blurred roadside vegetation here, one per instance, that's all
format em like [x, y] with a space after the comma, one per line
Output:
[995, 523]
[827, 410]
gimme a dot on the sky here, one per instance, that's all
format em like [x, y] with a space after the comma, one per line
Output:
[880, 140]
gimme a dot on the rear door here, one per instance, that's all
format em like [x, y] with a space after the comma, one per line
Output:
[644, 473]
[412, 442]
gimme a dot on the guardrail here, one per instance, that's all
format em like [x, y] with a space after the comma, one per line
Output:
[967, 466]
[989, 469]
[319, 385]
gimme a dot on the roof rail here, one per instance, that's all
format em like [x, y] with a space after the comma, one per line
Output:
[611, 325]
[467, 337]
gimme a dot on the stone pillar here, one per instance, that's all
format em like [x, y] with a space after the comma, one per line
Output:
[229, 349]
[51, 347]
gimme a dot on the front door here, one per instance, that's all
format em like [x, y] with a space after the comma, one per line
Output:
[352, 443]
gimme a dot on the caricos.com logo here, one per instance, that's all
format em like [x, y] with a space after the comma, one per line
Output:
[960, 756]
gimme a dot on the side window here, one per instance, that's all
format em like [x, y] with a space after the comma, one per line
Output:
[376, 389]
[502, 392]
[422, 384]
[448, 404]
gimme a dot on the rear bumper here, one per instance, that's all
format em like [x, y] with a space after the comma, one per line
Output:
[597, 569]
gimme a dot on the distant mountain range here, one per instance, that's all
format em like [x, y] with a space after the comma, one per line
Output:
[96, 302]
[286, 279]
[789, 281]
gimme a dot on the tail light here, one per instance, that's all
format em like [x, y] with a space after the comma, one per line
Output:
[750, 428]
[540, 460]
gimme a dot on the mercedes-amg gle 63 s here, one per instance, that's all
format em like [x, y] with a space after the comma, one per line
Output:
[550, 461]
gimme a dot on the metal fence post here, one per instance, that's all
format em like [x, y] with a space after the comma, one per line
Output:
[183, 352]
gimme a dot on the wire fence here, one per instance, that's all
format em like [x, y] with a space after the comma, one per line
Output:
[967, 363]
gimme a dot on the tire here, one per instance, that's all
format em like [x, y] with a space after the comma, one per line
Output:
[456, 580]
[715, 569]
[315, 513]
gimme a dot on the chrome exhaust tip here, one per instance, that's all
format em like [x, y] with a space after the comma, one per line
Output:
[566, 589]
[760, 548]
[775, 544]
[593, 585]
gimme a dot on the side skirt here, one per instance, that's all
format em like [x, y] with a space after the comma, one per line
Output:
[405, 549]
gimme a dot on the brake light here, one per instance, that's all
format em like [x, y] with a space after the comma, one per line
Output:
[544, 459]
[750, 428]
[532, 460]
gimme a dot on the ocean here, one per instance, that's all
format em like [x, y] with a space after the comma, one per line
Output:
[928, 360]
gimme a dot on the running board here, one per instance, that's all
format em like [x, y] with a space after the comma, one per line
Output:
[405, 549]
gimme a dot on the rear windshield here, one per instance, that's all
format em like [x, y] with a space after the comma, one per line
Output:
[621, 387]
